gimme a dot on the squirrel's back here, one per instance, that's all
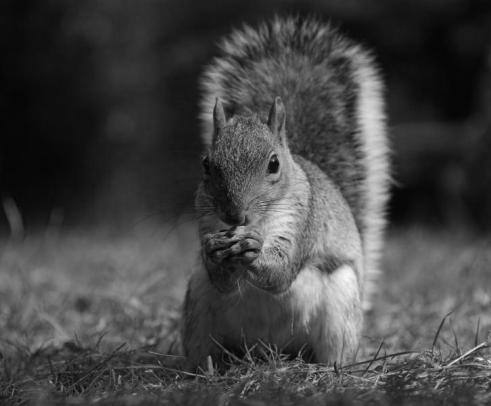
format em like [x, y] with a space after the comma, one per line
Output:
[333, 99]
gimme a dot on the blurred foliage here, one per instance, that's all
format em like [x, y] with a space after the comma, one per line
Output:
[99, 100]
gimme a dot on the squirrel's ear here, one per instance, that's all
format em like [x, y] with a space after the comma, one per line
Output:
[219, 119]
[277, 118]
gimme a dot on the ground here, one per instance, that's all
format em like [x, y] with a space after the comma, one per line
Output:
[90, 316]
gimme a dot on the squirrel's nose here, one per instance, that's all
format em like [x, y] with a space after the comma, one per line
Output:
[235, 218]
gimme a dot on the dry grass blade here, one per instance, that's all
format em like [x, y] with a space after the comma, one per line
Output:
[478, 327]
[483, 345]
[96, 367]
[14, 218]
[226, 351]
[182, 372]
[384, 357]
[437, 334]
[375, 357]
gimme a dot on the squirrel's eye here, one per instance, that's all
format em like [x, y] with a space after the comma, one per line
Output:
[206, 165]
[274, 164]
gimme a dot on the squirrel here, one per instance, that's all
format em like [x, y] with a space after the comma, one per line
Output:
[292, 201]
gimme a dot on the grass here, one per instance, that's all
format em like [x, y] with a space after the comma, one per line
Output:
[93, 317]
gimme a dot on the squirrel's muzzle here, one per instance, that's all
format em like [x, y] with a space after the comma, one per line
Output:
[234, 217]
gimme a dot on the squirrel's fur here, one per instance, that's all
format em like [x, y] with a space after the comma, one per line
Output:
[330, 199]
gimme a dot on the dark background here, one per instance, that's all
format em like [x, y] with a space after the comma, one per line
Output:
[98, 104]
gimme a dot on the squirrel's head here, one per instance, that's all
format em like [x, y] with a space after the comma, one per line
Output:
[245, 170]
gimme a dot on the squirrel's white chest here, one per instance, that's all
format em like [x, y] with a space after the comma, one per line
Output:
[296, 319]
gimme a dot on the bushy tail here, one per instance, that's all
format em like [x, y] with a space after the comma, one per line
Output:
[375, 146]
[335, 110]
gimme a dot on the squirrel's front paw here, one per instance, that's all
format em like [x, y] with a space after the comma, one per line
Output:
[237, 245]
[247, 247]
[217, 246]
